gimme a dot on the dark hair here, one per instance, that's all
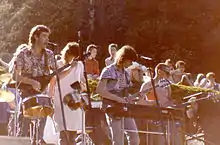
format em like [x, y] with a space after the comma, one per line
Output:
[91, 47]
[126, 53]
[71, 48]
[37, 30]
[112, 46]
[180, 63]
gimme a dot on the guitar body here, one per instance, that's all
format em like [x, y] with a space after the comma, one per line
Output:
[27, 90]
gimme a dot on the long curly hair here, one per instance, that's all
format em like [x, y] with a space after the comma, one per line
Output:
[71, 49]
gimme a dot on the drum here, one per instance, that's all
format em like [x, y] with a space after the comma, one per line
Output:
[37, 106]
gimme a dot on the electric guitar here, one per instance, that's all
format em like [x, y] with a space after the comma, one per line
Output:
[27, 90]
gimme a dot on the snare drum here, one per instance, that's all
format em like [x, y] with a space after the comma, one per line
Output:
[37, 106]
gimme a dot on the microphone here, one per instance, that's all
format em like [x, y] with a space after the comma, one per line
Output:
[144, 57]
[52, 44]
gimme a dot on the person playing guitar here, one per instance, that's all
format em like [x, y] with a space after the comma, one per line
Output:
[34, 60]
[113, 84]
[68, 77]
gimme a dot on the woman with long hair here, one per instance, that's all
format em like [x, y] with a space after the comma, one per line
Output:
[71, 75]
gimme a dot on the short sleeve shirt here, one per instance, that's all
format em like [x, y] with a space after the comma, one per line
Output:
[31, 65]
[162, 91]
[117, 80]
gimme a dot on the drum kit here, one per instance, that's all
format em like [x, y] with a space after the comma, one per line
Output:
[5, 95]
[34, 107]
[40, 105]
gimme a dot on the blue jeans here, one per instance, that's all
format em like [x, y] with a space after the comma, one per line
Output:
[115, 123]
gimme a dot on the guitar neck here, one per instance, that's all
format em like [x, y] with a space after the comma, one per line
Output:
[59, 70]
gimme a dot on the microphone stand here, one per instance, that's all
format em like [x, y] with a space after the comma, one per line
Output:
[60, 94]
[158, 107]
[82, 59]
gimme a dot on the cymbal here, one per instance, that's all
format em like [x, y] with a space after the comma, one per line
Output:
[6, 96]
[5, 77]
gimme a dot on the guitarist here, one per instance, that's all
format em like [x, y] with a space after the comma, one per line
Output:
[71, 75]
[113, 83]
[33, 61]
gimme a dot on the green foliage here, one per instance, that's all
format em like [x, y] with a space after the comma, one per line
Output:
[17, 18]
[181, 91]
[175, 29]
[92, 88]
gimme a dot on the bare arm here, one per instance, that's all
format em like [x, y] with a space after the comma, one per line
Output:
[102, 90]
[51, 87]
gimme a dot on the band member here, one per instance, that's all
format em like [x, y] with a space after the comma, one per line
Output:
[169, 63]
[163, 92]
[136, 72]
[198, 80]
[207, 111]
[112, 49]
[179, 75]
[113, 84]
[32, 61]
[211, 83]
[73, 74]
[162, 86]
[91, 64]
[12, 106]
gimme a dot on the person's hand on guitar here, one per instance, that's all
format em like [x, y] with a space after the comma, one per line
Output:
[36, 85]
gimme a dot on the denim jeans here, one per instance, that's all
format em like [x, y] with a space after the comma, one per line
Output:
[115, 123]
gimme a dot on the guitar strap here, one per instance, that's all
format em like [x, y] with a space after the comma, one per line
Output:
[125, 90]
[46, 67]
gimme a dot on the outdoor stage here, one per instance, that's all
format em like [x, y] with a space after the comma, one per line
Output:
[8, 140]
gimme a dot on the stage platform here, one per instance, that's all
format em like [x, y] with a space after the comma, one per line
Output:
[9, 140]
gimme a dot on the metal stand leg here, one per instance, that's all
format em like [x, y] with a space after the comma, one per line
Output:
[86, 140]
[147, 135]
[168, 132]
[16, 114]
[122, 130]
[34, 132]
